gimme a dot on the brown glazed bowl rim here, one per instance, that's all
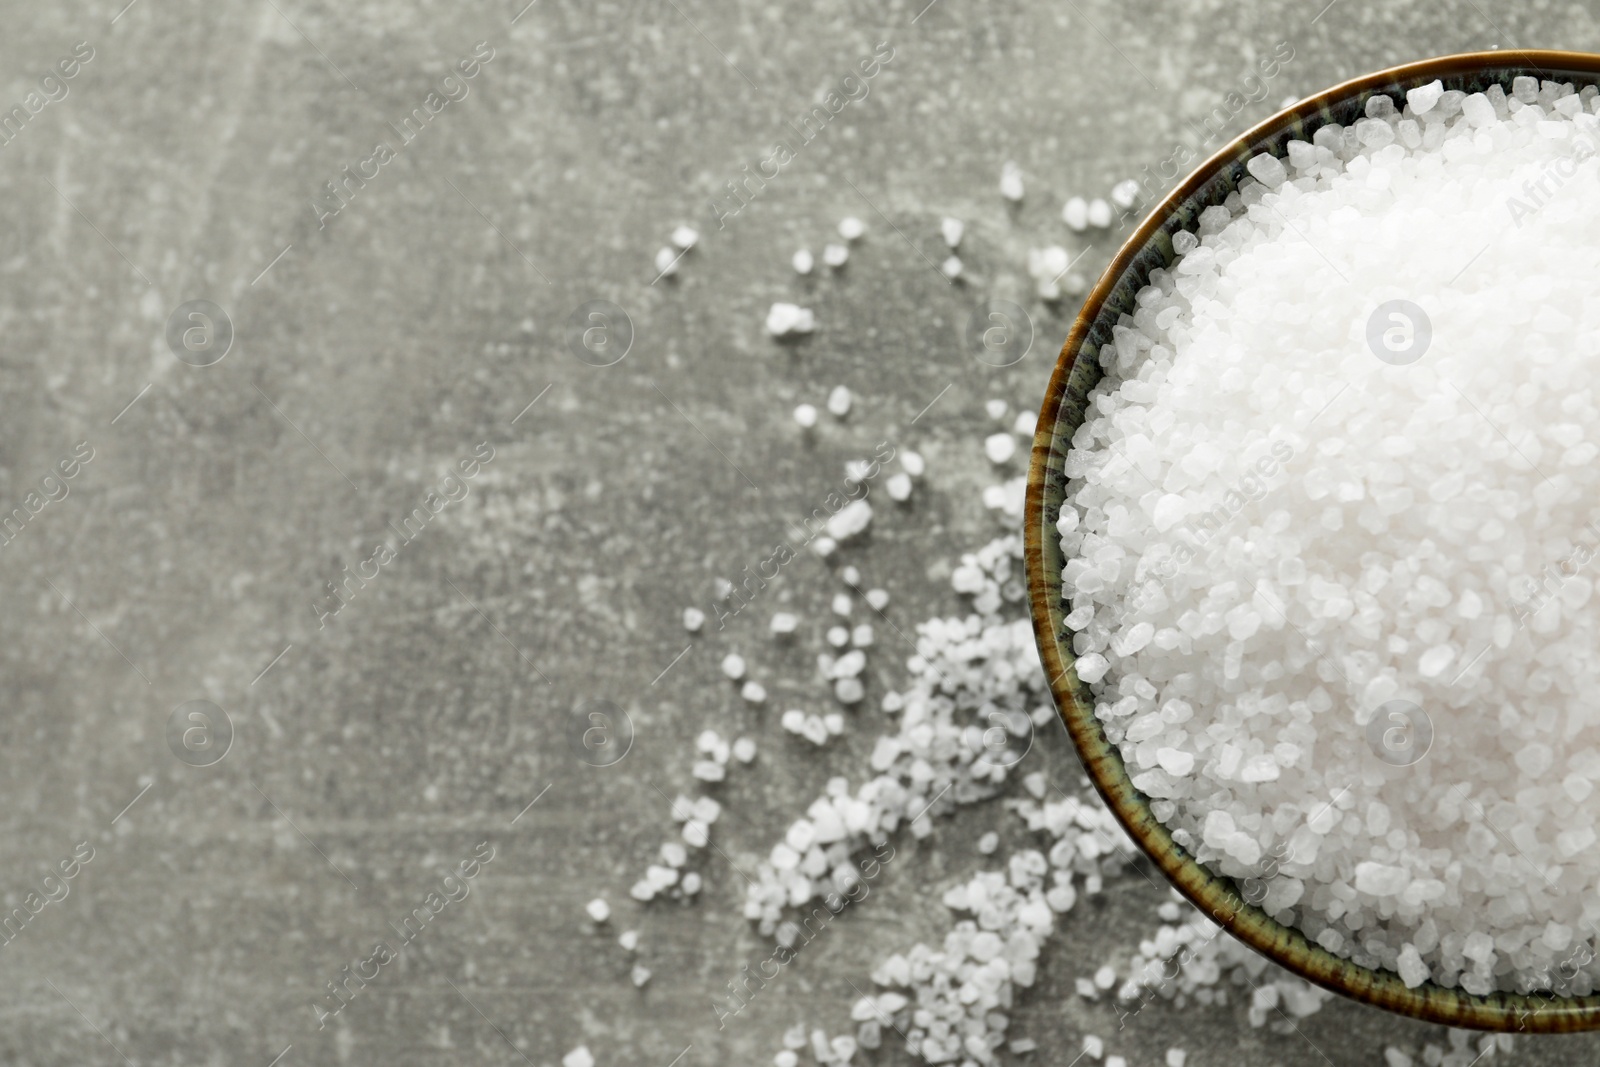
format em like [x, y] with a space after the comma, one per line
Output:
[1215, 896]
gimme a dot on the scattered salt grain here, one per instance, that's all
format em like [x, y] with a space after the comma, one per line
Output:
[578, 1057]
[877, 599]
[744, 750]
[841, 604]
[629, 940]
[1011, 182]
[1099, 213]
[850, 520]
[999, 447]
[839, 401]
[693, 619]
[988, 843]
[1075, 213]
[952, 230]
[667, 262]
[803, 261]
[838, 636]
[851, 228]
[784, 623]
[784, 320]
[1125, 193]
[951, 267]
[898, 486]
[640, 975]
[598, 910]
[685, 237]
[733, 665]
[753, 692]
[861, 636]
[835, 255]
[912, 463]
[806, 416]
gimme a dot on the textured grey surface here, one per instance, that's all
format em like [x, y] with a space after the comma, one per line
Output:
[382, 347]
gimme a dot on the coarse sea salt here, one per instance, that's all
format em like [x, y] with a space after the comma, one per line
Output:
[1328, 527]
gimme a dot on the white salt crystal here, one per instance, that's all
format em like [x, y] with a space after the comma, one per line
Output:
[598, 910]
[1423, 97]
[1099, 215]
[753, 692]
[878, 599]
[1379, 880]
[912, 463]
[951, 230]
[685, 237]
[851, 228]
[640, 975]
[1092, 667]
[629, 940]
[693, 619]
[578, 1057]
[803, 261]
[1478, 110]
[835, 255]
[1267, 169]
[1075, 213]
[666, 262]
[806, 416]
[744, 750]
[784, 622]
[1175, 761]
[951, 267]
[733, 665]
[839, 401]
[898, 486]
[1125, 193]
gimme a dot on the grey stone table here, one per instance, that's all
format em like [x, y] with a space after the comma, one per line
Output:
[393, 209]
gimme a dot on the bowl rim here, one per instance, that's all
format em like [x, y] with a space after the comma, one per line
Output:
[1215, 896]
